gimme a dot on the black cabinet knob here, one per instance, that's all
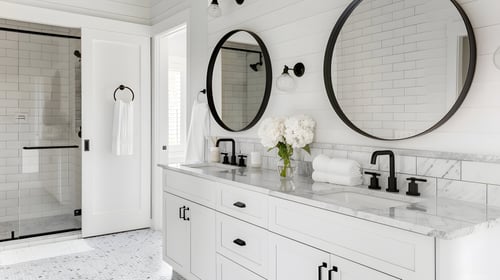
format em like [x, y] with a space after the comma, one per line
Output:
[240, 242]
[239, 204]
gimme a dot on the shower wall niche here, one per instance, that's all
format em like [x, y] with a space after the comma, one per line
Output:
[40, 121]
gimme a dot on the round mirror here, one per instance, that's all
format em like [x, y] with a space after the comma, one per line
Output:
[239, 80]
[399, 69]
[496, 58]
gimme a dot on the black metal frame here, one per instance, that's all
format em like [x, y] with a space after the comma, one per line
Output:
[39, 33]
[327, 72]
[51, 147]
[240, 50]
[269, 80]
[40, 234]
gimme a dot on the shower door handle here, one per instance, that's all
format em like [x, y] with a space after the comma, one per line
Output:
[86, 145]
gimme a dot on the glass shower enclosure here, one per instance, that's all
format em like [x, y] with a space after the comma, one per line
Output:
[40, 126]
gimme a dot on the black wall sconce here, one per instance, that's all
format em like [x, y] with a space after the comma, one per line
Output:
[214, 8]
[285, 81]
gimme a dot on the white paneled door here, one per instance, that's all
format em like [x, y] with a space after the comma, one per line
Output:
[115, 189]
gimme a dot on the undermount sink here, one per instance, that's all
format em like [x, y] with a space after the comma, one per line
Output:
[362, 201]
[212, 167]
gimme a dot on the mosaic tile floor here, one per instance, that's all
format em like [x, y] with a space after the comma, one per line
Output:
[132, 255]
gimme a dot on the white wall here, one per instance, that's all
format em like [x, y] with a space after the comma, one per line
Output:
[298, 30]
[137, 11]
[162, 9]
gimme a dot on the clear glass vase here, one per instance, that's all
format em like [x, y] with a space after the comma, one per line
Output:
[286, 170]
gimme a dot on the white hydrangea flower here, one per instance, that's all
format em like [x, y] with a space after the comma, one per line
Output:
[299, 131]
[271, 132]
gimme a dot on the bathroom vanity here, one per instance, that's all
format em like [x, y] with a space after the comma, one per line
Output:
[225, 223]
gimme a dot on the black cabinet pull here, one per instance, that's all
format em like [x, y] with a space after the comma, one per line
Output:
[320, 270]
[331, 271]
[240, 204]
[181, 211]
[184, 212]
[240, 242]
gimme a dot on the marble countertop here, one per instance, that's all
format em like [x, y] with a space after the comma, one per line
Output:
[436, 217]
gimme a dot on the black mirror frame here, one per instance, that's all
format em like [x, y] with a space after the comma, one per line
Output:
[269, 80]
[327, 72]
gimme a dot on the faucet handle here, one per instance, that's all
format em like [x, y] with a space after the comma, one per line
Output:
[225, 160]
[242, 160]
[413, 186]
[373, 180]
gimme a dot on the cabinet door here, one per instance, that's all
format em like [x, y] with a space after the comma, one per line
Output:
[203, 259]
[291, 260]
[176, 231]
[342, 269]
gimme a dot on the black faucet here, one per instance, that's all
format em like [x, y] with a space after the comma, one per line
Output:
[233, 156]
[392, 181]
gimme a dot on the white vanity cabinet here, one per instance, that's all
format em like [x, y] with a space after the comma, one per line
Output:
[395, 252]
[189, 233]
[294, 260]
[219, 231]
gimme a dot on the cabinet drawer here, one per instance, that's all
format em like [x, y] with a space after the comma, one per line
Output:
[190, 187]
[245, 205]
[243, 243]
[365, 242]
[228, 270]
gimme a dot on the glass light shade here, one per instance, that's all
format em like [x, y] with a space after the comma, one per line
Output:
[496, 58]
[214, 10]
[285, 82]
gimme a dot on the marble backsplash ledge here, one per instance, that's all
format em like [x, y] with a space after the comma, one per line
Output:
[466, 177]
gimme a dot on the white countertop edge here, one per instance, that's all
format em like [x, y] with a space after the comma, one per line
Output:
[372, 217]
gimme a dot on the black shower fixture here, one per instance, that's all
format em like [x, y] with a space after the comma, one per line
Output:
[78, 54]
[255, 65]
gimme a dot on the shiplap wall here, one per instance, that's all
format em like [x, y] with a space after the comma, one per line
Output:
[298, 30]
[136, 11]
[162, 9]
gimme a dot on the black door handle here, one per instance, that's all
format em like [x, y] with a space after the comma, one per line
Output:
[240, 242]
[181, 212]
[320, 270]
[86, 145]
[185, 209]
[239, 204]
[330, 272]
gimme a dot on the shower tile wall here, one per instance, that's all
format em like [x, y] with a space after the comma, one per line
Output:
[39, 89]
[243, 88]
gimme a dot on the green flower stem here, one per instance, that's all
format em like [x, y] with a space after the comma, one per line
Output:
[285, 152]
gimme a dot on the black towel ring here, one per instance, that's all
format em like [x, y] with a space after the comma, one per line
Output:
[122, 87]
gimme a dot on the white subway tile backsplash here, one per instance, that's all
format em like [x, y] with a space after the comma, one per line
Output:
[483, 172]
[440, 168]
[460, 190]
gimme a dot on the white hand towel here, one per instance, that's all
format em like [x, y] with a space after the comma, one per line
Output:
[340, 166]
[198, 130]
[336, 179]
[123, 129]
[30, 161]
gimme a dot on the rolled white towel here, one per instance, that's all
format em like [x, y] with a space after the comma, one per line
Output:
[336, 179]
[320, 162]
[340, 166]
